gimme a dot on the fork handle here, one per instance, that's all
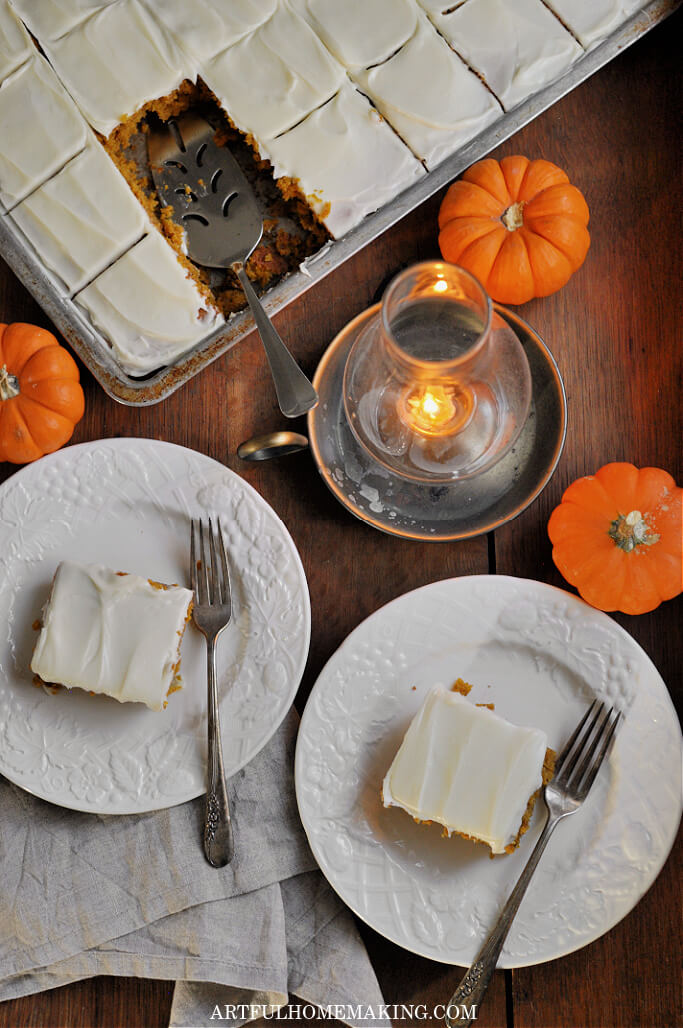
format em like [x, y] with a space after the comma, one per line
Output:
[295, 394]
[218, 842]
[472, 989]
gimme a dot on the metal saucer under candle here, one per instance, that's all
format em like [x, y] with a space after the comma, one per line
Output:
[441, 512]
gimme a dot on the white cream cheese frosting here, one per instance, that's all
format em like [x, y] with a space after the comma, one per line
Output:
[81, 220]
[274, 77]
[439, 6]
[467, 769]
[148, 307]
[517, 46]
[15, 43]
[202, 28]
[434, 112]
[111, 633]
[117, 61]
[592, 20]
[346, 159]
[49, 19]
[360, 32]
[40, 129]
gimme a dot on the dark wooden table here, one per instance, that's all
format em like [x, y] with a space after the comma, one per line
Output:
[615, 331]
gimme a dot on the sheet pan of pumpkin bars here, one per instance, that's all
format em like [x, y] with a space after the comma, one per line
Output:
[93, 346]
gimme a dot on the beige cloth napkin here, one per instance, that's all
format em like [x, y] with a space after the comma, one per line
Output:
[82, 895]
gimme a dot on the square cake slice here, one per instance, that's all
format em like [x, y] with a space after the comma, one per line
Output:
[345, 160]
[76, 231]
[295, 75]
[116, 62]
[469, 770]
[50, 19]
[517, 46]
[112, 633]
[15, 43]
[42, 129]
[148, 306]
[358, 33]
[202, 28]
[435, 113]
[591, 20]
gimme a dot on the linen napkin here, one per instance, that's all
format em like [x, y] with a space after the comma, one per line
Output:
[84, 894]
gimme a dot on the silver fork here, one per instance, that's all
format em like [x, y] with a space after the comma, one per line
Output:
[211, 613]
[575, 772]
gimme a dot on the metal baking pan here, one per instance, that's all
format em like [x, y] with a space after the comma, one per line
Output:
[92, 347]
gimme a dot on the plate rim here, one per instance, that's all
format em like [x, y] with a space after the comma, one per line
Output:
[503, 962]
[121, 442]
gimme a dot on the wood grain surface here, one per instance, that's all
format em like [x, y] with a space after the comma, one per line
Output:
[615, 331]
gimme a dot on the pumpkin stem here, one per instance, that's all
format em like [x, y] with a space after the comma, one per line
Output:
[631, 531]
[9, 384]
[513, 217]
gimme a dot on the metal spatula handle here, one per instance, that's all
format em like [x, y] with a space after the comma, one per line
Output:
[215, 205]
[295, 394]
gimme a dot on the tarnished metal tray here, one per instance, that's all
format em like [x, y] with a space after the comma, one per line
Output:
[92, 347]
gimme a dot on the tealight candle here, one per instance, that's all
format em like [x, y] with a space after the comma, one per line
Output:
[436, 409]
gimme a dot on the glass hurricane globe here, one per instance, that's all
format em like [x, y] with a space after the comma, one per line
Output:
[437, 388]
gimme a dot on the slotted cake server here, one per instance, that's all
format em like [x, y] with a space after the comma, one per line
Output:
[215, 205]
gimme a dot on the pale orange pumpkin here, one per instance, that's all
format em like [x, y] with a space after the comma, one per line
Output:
[41, 399]
[617, 536]
[518, 225]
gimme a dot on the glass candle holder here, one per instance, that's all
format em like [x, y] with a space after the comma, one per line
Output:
[437, 387]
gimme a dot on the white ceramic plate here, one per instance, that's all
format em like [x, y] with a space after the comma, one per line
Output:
[540, 655]
[127, 503]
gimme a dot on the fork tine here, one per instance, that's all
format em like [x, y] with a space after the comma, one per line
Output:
[216, 591]
[588, 774]
[203, 593]
[193, 560]
[224, 564]
[567, 758]
[590, 746]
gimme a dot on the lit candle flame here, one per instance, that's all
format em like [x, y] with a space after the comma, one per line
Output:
[431, 409]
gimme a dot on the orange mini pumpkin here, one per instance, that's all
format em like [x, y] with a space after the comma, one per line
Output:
[41, 399]
[617, 537]
[518, 225]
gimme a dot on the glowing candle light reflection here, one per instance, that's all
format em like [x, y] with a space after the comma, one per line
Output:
[431, 410]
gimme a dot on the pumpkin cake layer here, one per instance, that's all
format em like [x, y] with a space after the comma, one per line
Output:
[148, 307]
[535, 48]
[41, 129]
[345, 160]
[467, 769]
[81, 220]
[112, 633]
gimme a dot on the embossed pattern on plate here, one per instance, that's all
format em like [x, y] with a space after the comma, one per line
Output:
[127, 503]
[540, 655]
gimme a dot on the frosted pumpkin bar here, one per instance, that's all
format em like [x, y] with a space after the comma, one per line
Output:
[112, 633]
[469, 770]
